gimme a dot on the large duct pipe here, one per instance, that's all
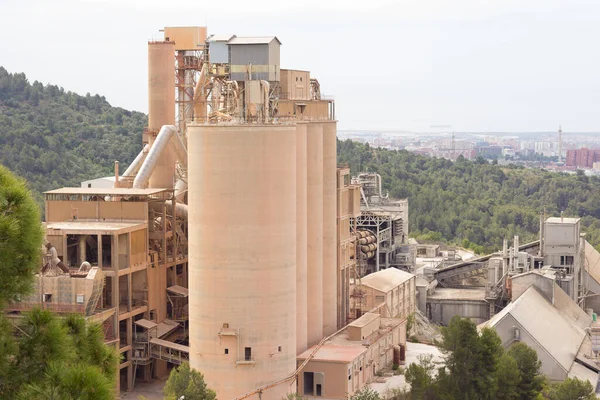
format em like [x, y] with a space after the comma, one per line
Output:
[179, 148]
[137, 162]
[82, 248]
[180, 189]
[159, 145]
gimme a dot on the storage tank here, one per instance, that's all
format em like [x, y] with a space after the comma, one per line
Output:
[161, 107]
[329, 229]
[301, 265]
[314, 155]
[242, 255]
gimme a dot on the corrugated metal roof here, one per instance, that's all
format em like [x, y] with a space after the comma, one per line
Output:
[593, 260]
[545, 324]
[220, 37]
[386, 280]
[253, 40]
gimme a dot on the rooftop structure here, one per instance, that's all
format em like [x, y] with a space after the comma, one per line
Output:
[537, 321]
[351, 358]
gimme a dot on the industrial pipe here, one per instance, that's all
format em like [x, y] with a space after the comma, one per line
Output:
[137, 162]
[161, 142]
[266, 88]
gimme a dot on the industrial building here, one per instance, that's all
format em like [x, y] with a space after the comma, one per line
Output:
[232, 240]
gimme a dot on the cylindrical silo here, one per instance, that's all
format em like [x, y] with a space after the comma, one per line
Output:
[301, 252]
[161, 107]
[329, 229]
[314, 188]
[242, 255]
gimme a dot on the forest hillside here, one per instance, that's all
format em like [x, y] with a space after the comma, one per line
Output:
[474, 203]
[54, 138]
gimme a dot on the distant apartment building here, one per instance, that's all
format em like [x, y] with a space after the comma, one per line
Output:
[582, 158]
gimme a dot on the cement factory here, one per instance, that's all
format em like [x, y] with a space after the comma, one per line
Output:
[236, 243]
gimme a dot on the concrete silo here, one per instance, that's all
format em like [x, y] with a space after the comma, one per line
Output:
[314, 157]
[301, 238]
[329, 228]
[242, 252]
[161, 107]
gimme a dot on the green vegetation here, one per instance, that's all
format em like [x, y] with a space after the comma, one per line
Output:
[473, 203]
[42, 356]
[185, 382]
[20, 236]
[55, 138]
[476, 367]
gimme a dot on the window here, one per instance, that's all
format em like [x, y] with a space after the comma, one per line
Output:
[248, 353]
[379, 299]
[226, 351]
[566, 260]
[349, 373]
[89, 185]
[47, 298]
[80, 299]
[318, 390]
[279, 349]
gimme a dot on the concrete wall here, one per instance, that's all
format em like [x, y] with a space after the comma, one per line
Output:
[335, 378]
[550, 367]
[295, 85]
[441, 311]
[520, 283]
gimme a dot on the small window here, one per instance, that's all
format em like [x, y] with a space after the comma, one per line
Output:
[318, 390]
[225, 325]
[279, 349]
[47, 298]
[89, 185]
[80, 299]
[248, 353]
[300, 79]
[152, 315]
[226, 351]
[349, 373]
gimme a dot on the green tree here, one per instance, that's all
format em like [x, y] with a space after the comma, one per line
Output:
[572, 389]
[187, 382]
[420, 376]
[20, 236]
[47, 360]
[532, 382]
[365, 393]
[507, 378]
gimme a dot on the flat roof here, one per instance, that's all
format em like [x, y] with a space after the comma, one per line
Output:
[335, 353]
[93, 225]
[364, 320]
[559, 220]
[457, 294]
[170, 345]
[178, 290]
[145, 323]
[107, 191]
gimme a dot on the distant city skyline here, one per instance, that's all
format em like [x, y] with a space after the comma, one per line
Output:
[496, 66]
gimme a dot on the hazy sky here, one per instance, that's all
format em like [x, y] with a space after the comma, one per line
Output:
[477, 65]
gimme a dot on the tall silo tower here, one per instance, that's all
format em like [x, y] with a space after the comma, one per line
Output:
[242, 249]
